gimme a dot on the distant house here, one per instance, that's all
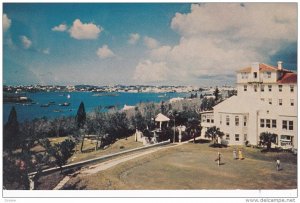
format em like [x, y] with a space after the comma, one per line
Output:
[176, 99]
[127, 107]
[266, 101]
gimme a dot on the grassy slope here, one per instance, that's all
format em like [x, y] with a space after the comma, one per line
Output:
[48, 182]
[192, 166]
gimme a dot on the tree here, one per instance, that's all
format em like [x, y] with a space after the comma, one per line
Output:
[214, 133]
[267, 138]
[11, 137]
[61, 151]
[162, 107]
[216, 94]
[207, 104]
[80, 116]
[80, 120]
[139, 121]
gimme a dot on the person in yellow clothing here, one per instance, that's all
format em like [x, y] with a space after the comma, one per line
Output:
[241, 154]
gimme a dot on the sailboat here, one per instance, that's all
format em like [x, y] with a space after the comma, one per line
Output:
[68, 96]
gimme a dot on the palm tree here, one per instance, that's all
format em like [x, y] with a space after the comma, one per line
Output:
[214, 133]
[267, 138]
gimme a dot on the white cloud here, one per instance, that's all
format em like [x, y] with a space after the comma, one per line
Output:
[104, 52]
[60, 28]
[81, 30]
[151, 43]
[148, 72]
[26, 42]
[133, 38]
[6, 22]
[253, 20]
[219, 38]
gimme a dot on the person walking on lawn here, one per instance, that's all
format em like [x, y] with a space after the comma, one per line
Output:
[218, 159]
[234, 154]
[277, 164]
[241, 154]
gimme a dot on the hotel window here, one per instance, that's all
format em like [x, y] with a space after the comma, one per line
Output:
[292, 102]
[212, 120]
[274, 123]
[280, 88]
[284, 124]
[245, 137]
[237, 121]
[245, 88]
[270, 101]
[255, 75]
[255, 88]
[227, 137]
[237, 137]
[244, 75]
[207, 120]
[280, 102]
[227, 120]
[291, 125]
[268, 123]
[262, 88]
[262, 123]
[267, 74]
[270, 88]
[292, 88]
[245, 120]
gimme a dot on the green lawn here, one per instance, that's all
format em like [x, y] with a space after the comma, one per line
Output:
[118, 146]
[193, 166]
[89, 148]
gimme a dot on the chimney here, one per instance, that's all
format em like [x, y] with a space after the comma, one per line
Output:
[279, 65]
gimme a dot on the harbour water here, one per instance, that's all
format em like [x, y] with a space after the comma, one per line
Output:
[51, 104]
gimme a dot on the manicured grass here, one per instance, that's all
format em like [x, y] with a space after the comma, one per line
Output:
[89, 148]
[193, 166]
[118, 146]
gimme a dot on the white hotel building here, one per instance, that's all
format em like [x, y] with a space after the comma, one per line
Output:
[266, 101]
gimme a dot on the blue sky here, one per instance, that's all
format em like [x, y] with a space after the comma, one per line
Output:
[105, 44]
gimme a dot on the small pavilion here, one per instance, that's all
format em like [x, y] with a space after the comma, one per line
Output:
[161, 118]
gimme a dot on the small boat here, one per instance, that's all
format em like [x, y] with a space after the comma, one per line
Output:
[110, 107]
[69, 96]
[45, 105]
[65, 104]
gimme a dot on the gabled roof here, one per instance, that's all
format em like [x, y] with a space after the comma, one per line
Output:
[262, 68]
[265, 67]
[245, 70]
[288, 78]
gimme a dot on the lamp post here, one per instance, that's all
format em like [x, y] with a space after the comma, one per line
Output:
[174, 130]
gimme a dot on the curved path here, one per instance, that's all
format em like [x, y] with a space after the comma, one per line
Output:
[113, 162]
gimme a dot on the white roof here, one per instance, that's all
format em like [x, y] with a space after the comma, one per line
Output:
[161, 118]
[241, 104]
[244, 105]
